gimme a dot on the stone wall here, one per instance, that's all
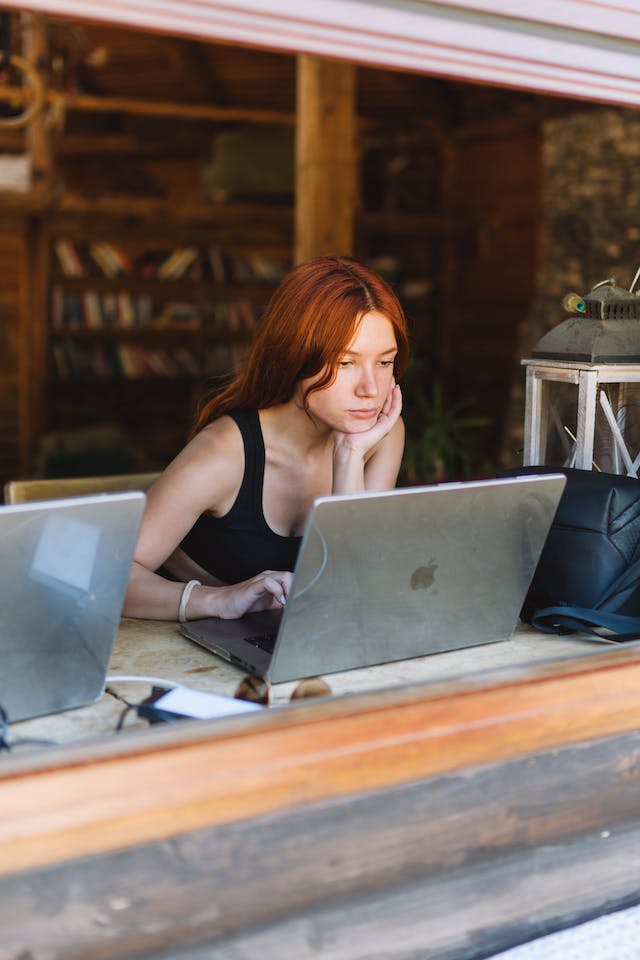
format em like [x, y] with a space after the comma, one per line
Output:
[591, 225]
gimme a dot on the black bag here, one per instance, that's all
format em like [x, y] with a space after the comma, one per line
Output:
[588, 575]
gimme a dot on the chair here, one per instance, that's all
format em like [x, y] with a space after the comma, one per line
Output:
[22, 491]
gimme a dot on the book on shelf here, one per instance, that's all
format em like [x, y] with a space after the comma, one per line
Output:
[223, 359]
[72, 362]
[129, 366]
[177, 263]
[110, 310]
[59, 359]
[65, 311]
[102, 362]
[268, 270]
[68, 258]
[243, 316]
[91, 310]
[241, 270]
[217, 264]
[186, 316]
[126, 310]
[111, 260]
[187, 362]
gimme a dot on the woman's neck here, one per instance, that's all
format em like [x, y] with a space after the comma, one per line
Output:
[290, 423]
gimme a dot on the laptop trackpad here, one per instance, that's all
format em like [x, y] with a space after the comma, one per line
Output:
[265, 623]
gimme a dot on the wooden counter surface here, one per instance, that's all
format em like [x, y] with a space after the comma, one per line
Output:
[157, 649]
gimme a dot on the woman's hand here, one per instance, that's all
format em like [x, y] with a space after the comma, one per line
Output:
[364, 442]
[370, 460]
[266, 591]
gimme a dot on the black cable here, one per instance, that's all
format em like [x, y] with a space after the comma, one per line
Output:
[10, 745]
[127, 708]
[4, 726]
[144, 708]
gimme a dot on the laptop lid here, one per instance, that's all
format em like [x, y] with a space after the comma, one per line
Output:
[64, 571]
[391, 575]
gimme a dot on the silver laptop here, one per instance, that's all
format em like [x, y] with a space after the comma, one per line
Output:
[64, 566]
[388, 576]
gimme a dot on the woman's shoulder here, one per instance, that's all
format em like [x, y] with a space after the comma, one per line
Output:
[213, 457]
[220, 442]
[223, 427]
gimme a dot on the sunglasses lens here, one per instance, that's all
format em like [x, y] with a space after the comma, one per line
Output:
[254, 688]
[311, 687]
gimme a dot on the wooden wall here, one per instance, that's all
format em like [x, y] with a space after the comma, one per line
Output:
[443, 194]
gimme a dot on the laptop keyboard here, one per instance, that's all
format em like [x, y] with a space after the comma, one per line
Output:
[265, 641]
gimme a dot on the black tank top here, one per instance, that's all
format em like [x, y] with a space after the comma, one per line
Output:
[241, 544]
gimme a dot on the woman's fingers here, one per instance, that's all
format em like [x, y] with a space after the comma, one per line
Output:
[277, 584]
[386, 407]
[264, 591]
[394, 399]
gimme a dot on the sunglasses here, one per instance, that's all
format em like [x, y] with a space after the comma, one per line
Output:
[257, 689]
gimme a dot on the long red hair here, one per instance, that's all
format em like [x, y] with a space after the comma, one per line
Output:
[309, 322]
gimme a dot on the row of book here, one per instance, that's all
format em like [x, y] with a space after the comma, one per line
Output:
[194, 262]
[72, 361]
[222, 359]
[90, 310]
[236, 316]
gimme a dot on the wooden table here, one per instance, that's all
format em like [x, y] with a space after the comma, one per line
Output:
[152, 649]
[441, 807]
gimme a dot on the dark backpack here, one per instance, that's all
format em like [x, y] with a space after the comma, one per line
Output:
[588, 575]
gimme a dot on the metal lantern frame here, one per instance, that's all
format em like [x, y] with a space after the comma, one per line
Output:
[589, 378]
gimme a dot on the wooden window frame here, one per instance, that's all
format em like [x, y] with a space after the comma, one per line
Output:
[69, 804]
[572, 47]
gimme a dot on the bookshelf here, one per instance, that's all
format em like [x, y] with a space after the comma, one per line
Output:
[140, 317]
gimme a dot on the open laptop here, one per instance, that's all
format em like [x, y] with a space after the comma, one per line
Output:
[64, 567]
[388, 576]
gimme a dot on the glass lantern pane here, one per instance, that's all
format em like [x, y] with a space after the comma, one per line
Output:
[560, 413]
[617, 428]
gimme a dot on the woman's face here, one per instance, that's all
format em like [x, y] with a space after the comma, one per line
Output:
[363, 380]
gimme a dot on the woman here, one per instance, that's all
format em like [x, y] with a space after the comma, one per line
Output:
[315, 411]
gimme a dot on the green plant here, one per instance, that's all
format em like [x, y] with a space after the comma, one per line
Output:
[441, 440]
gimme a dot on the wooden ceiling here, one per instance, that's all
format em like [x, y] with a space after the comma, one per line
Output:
[134, 113]
[120, 65]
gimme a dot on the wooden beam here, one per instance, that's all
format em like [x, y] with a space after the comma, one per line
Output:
[450, 866]
[327, 182]
[88, 103]
[70, 803]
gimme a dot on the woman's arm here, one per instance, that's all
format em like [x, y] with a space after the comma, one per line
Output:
[206, 475]
[151, 597]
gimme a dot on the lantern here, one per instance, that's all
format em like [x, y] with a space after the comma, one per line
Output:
[583, 385]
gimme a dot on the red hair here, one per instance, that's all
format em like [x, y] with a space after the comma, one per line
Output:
[309, 322]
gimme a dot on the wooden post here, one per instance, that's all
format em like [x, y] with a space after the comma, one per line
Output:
[38, 138]
[33, 346]
[327, 174]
